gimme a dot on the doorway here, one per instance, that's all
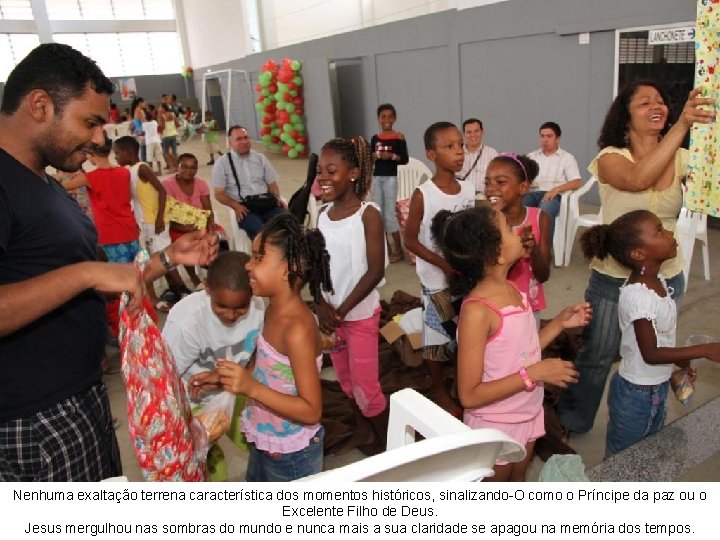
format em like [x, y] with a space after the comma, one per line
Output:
[665, 54]
[346, 91]
[215, 102]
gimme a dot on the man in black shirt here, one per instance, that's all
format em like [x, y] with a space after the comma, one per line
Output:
[55, 421]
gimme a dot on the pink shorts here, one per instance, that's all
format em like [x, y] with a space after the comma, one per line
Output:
[356, 366]
[522, 432]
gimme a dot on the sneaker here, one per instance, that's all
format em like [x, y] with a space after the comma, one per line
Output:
[211, 162]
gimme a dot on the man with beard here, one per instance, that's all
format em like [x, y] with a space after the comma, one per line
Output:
[55, 421]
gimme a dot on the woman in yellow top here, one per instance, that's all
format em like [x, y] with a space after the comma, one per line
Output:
[640, 166]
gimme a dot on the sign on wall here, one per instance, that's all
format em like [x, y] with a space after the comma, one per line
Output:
[664, 36]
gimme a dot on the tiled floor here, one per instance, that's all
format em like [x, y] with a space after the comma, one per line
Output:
[700, 314]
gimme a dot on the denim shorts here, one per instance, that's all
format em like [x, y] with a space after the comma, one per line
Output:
[636, 411]
[273, 467]
[384, 194]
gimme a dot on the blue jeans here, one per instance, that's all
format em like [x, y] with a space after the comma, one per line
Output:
[384, 194]
[635, 412]
[272, 467]
[579, 402]
[253, 221]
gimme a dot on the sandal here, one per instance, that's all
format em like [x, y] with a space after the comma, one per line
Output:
[396, 257]
[167, 300]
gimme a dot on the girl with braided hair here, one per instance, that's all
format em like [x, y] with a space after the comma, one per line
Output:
[282, 417]
[354, 234]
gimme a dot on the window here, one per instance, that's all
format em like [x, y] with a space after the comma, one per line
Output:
[13, 48]
[118, 10]
[18, 10]
[138, 53]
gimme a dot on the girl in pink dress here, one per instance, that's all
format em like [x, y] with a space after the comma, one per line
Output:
[499, 372]
[507, 181]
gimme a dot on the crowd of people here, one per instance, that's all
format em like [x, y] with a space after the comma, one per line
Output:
[481, 266]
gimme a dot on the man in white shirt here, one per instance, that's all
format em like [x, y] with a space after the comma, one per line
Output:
[477, 155]
[558, 173]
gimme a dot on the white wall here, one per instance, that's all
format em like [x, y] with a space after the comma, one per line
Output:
[216, 31]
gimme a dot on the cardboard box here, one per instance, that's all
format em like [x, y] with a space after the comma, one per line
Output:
[408, 346]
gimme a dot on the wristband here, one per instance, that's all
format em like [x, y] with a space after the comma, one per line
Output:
[165, 260]
[529, 385]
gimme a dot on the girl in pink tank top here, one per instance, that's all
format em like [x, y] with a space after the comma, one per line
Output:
[282, 417]
[500, 374]
[507, 181]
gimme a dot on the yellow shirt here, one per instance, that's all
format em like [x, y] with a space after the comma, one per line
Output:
[664, 204]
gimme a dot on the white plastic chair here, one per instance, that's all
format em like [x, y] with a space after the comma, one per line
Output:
[238, 240]
[575, 219]
[559, 246]
[410, 176]
[692, 226]
[450, 452]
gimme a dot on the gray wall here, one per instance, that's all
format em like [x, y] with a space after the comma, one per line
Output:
[151, 87]
[514, 65]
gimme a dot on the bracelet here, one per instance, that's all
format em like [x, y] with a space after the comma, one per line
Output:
[165, 260]
[529, 385]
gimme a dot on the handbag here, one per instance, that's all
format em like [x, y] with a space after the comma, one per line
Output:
[255, 203]
[299, 201]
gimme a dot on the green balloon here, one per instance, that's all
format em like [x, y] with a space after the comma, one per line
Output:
[275, 132]
[300, 127]
[282, 88]
[295, 118]
[265, 92]
[290, 107]
[287, 128]
[267, 101]
[260, 107]
[280, 105]
[292, 153]
[278, 96]
[298, 80]
[295, 65]
[267, 139]
[293, 93]
[300, 148]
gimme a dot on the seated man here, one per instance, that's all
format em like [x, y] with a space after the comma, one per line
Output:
[477, 155]
[249, 173]
[558, 172]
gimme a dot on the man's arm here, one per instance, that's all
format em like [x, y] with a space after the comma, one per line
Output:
[571, 173]
[26, 301]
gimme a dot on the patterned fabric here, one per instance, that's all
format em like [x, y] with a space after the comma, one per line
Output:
[269, 431]
[121, 253]
[159, 416]
[73, 440]
[703, 179]
[185, 214]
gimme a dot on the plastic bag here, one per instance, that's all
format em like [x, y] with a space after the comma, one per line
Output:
[159, 417]
[215, 414]
[563, 468]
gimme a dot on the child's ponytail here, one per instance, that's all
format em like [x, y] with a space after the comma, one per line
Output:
[304, 251]
[593, 242]
[618, 239]
[318, 268]
[470, 242]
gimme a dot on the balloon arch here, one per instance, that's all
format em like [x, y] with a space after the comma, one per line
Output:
[280, 105]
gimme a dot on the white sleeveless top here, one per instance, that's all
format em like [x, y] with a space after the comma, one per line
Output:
[345, 242]
[434, 200]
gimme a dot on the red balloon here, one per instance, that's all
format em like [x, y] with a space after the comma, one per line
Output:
[294, 134]
[298, 101]
[302, 139]
[275, 139]
[258, 88]
[285, 148]
[299, 111]
[287, 97]
[273, 88]
[265, 131]
[268, 108]
[292, 86]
